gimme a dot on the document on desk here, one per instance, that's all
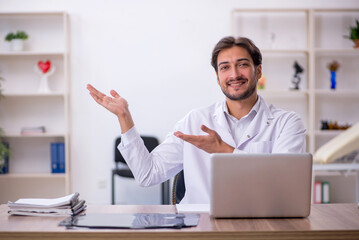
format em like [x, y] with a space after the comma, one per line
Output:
[131, 221]
[192, 208]
[46, 202]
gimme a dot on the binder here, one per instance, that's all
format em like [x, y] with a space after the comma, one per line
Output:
[53, 153]
[61, 157]
[325, 192]
[57, 152]
[317, 193]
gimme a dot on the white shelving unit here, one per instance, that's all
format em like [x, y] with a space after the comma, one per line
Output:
[30, 162]
[313, 38]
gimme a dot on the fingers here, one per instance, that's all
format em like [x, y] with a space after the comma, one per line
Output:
[95, 92]
[187, 138]
[97, 95]
[90, 88]
[193, 138]
[207, 130]
[114, 94]
[96, 98]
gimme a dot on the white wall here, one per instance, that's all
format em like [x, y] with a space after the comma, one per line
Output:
[155, 53]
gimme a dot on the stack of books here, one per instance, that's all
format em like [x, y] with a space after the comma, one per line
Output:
[64, 206]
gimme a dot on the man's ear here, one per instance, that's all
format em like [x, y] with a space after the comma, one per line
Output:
[259, 71]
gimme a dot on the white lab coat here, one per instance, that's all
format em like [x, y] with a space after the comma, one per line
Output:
[271, 131]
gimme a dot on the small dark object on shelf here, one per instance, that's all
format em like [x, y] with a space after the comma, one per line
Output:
[330, 125]
[296, 77]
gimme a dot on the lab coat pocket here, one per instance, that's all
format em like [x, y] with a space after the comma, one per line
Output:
[260, 147]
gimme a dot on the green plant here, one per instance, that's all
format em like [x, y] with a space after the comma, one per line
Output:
[1, 79]
[18, 35]
[354, 32]
[4, 149]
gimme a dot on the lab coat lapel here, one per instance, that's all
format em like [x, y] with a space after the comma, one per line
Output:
[223, 129]
[261, 121]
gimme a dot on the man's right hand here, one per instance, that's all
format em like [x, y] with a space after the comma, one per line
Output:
[115, 104]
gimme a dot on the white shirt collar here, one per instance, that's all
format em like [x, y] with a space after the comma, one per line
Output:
[254, 109]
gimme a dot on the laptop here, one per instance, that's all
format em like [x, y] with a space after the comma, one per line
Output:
[260, 185]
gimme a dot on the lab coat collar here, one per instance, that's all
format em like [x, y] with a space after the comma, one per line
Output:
[254, 109]
[221, 108]
[264, 107]
[263, 118]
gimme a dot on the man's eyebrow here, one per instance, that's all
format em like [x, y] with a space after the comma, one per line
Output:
[238, 60]
[243, 59]
[219, 64]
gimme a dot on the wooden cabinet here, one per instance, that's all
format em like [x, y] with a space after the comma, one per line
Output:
[24, 106]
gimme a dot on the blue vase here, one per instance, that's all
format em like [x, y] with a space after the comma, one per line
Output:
[333, 81]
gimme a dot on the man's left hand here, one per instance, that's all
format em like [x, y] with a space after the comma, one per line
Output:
[211, 143]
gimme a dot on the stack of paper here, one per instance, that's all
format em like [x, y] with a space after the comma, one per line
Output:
[65, 206]
[33, 130]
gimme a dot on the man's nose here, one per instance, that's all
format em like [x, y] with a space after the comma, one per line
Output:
[235, 73]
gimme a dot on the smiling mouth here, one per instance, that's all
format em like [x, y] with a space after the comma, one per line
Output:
[237, 83]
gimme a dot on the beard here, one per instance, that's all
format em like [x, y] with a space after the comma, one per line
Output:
[235, 97]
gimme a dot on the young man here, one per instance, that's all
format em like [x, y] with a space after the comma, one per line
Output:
[241, 123]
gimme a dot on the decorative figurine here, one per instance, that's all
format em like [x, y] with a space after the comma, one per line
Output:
[296, 77]
[262, 82]
[45, 70]
[333, 125]
[272, 40]
[333, 67]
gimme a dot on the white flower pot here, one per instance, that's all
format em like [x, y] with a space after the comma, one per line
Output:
[17, 45]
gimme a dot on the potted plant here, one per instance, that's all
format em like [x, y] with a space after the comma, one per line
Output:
[4, 147]
[4, 155]
[1, 79]
[354, 34]
[17, 40]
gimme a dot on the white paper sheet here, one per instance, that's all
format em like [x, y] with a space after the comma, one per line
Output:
[192, 208]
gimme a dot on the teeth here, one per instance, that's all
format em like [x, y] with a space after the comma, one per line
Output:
[237, 83]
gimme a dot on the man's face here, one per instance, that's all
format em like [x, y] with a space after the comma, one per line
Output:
[237, 75]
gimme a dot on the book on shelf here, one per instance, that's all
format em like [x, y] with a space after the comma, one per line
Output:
[317, 194]
[325, 192]
[57, 154]
[321, 192]
[33, 130]
[69, 205]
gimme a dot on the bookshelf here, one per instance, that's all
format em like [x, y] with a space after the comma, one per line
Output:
[23, 106]
[313, 38]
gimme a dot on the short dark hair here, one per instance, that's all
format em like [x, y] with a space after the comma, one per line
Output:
[243, 42]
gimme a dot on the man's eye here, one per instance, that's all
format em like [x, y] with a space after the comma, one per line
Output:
[224, 67]
[242, 65]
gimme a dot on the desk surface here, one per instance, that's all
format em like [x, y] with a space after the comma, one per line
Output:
[327, 221]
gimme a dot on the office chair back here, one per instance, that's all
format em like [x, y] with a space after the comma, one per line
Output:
[178, 188]
[150, 143]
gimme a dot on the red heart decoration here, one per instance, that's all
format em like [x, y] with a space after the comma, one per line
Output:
[44, 66]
